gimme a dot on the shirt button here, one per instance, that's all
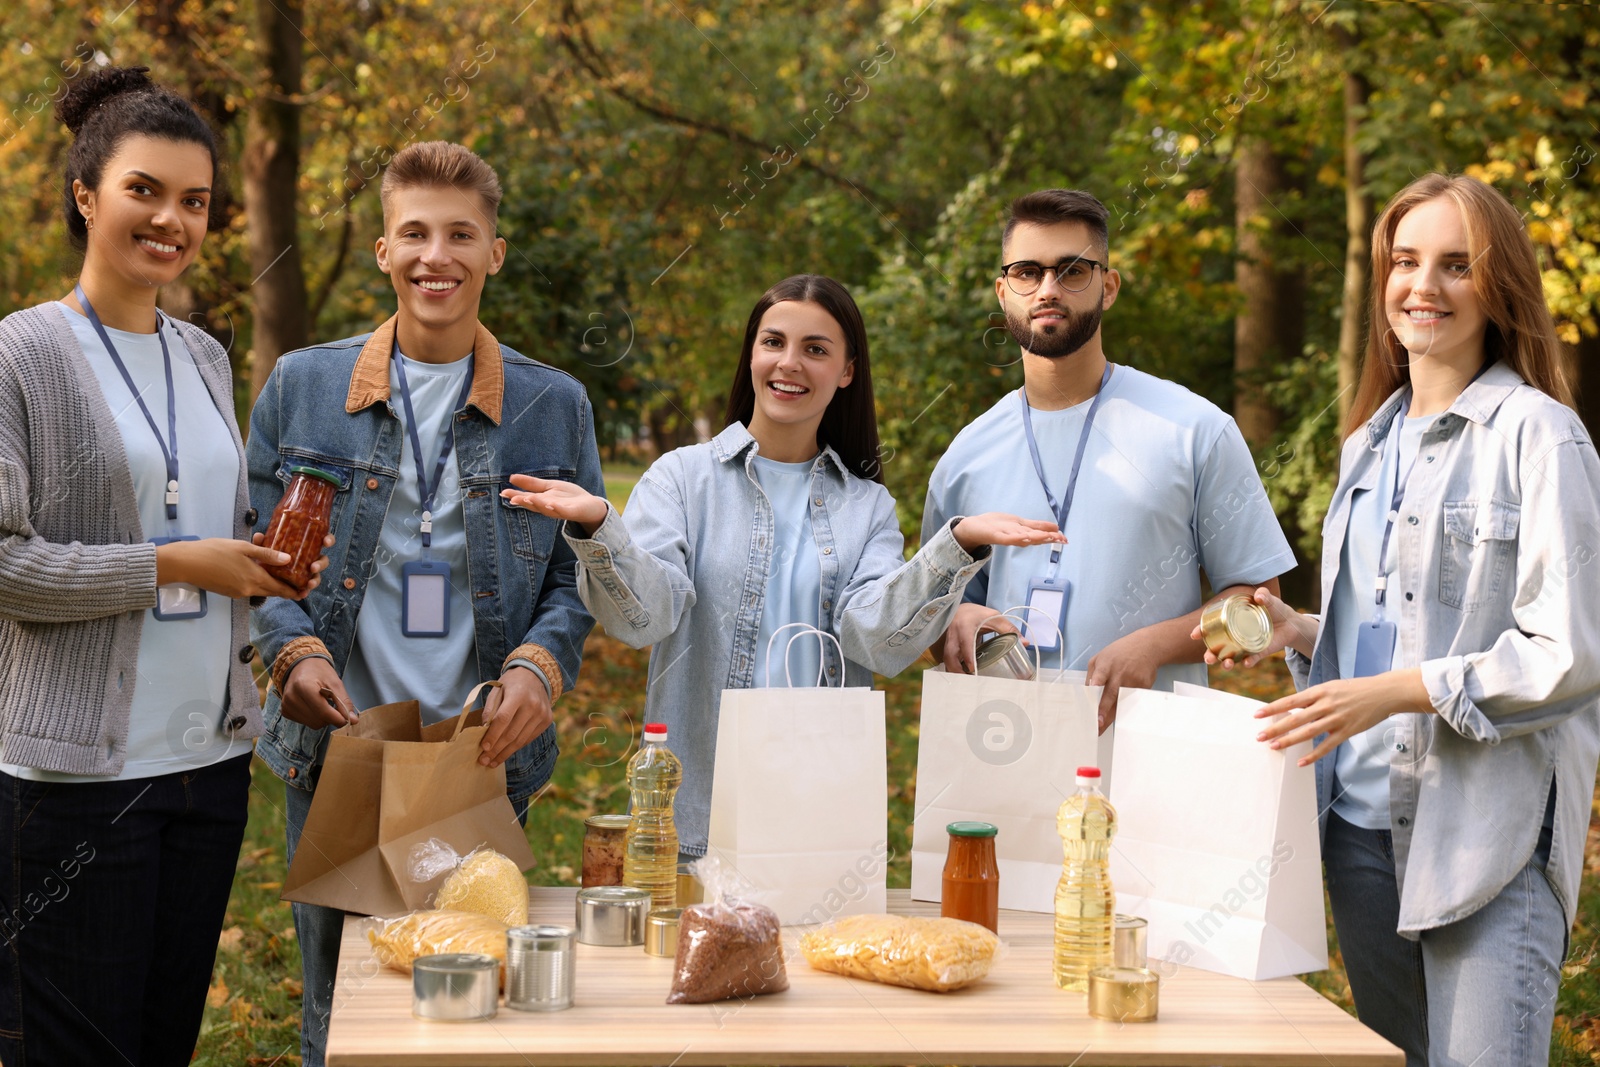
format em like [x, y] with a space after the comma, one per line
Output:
[251, 516]
[1403, 821]
[247, 653]
[833, 670]
[1412, 519]
[294, 772]
[237, 722]
[828, 551]
[372, 483]
[1408, 596]
[1430, 459]
[827, 605]
[349, 583]
[1399, 746]
[818, 501]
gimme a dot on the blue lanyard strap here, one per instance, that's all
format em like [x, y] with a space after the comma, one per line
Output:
[169, 444]
[1062, 510]
[424, 487]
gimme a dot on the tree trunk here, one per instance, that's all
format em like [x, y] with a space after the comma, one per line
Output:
[1358, 229]
[1269, 329]
[271, 170]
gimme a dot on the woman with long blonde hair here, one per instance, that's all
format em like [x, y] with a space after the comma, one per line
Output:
[1451, 684]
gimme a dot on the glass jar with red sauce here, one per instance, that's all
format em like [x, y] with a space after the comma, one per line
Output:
[300, 522]
[971, 875]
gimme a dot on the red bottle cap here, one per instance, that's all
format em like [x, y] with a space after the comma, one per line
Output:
[656, 733]
[1088, 772]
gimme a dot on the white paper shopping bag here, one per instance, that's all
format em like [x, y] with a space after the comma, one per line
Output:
[1003, 751]
[1216, 842]
[800, 799]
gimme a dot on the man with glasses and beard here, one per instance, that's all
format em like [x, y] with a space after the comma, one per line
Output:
[1150, 483]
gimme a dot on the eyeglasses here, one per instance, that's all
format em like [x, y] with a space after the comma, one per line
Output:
[1074, 275]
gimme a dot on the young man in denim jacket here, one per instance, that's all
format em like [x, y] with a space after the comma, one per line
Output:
[421, 423]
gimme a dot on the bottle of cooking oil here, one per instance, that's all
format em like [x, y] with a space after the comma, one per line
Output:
[1085, 903]
[650, 849]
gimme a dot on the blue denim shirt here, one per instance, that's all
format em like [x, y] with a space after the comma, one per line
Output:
[328, 406]
[686, 570]
[1495, 586]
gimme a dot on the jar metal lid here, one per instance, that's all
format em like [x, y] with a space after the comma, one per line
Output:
[972, 829]
[608, 822]
[316, 472]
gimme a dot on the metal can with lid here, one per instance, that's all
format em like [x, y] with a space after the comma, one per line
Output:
[1128, 941]
[539, 968]
[1124, 994]
[612, 915]
[1235, 627]
[661, 931]
[455, 986]
[1001, 655]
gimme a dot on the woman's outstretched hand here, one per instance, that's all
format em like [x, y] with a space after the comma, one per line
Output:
[559, 500]
[998, 528]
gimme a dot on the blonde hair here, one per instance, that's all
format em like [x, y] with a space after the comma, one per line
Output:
[441, 163]
[1505, 277]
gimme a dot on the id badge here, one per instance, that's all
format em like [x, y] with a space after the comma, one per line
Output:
[425, 598]
[178, 601]
[1047, 597]
[1375, 640]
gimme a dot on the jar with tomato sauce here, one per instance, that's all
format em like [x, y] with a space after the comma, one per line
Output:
[971, 875]
[300, 522]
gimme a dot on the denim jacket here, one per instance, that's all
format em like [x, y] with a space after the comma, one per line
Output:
[686, 571]
[1495, 587]
[521, 417]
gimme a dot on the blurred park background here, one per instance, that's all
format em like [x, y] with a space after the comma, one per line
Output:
[666, 160]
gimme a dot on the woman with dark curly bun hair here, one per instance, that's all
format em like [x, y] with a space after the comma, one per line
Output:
[126, 699]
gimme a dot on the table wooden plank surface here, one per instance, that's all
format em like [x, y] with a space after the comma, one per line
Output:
[1015, 1016]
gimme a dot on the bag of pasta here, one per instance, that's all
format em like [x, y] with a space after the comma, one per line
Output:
[922, 953]
[727, 947]
[484, 881]
[397, 943]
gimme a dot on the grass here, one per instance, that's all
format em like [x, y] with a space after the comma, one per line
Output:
[253, 1010]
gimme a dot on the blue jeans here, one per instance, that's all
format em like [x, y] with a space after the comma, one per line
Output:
[319, 929]
[1479, 991]
[111, 898]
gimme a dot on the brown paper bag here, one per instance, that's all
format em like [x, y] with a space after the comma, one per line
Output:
[388, 783]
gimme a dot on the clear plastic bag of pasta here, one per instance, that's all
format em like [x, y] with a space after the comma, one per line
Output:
[920, 953]
[398, 942]
[483, 880]
[727, 947]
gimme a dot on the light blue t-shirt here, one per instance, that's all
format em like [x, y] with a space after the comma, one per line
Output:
[181, 693]
[1361, 764]
[385, 666]
[1167, 487]
[794, 584]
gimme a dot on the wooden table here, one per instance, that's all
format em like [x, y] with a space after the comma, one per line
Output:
[1015, 1016]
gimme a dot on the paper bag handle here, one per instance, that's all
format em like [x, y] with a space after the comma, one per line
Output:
[472, 698]
[1061, 640]
[806, 629]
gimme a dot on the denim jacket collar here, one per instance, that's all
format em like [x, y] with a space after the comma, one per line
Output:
[1478, 401]
[735, 441]
[370, 381]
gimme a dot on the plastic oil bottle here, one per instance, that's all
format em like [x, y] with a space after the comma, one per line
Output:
[1085, 903]
[650, 849]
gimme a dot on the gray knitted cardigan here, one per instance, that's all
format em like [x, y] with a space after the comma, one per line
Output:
[76, 573]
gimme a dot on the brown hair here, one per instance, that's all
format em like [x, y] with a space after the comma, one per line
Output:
[440, 163]
[1049, 206]
[1505, 277]
[850, 422]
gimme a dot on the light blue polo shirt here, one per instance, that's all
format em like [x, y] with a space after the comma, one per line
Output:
[1167, 487]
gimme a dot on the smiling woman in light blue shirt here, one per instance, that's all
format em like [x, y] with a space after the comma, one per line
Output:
[781, 518]
[1454, 674]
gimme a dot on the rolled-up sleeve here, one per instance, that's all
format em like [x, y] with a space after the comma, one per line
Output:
[1547, 667]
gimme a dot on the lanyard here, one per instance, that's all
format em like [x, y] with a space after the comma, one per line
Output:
[426, 488]
[1077, 460]
[169, 444]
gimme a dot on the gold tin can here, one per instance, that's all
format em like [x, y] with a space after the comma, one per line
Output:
[1124, 994]
[661, 931]
[1235, 627]
[690, 891]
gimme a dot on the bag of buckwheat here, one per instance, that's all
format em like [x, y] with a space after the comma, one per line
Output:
[727, 947]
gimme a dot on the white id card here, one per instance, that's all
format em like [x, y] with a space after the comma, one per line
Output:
[1375, 641]
[178, 601]
[1047, 597]
[425, 598]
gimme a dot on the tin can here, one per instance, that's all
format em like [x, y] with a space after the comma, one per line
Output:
[1001, 655]
[455, 987]
[661, 931]
[1124, 994]
[539, 967]
[1235, 627]
[603, 845]
[690, 891]
[1128, 941]
[612, 915]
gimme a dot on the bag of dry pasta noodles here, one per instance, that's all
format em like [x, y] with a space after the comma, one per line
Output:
[727, 947]
[922, 953]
